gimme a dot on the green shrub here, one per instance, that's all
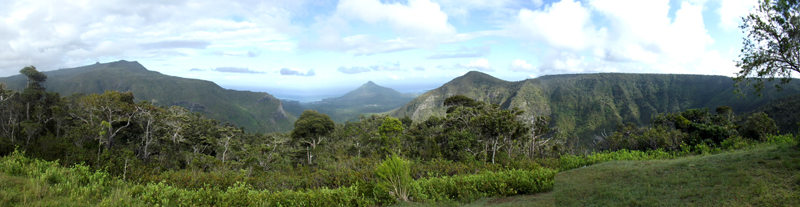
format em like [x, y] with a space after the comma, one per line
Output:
[394, 172]
[735, 142]
[575, 161]
[782, 139]
[467, 188]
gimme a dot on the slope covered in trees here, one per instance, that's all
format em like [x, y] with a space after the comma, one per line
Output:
[590, 104]
[255, 111]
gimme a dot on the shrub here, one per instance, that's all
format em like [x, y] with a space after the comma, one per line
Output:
[395, 172]
[467, 188]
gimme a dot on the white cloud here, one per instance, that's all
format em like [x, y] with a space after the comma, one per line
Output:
[67, 33]
[731, 11]
[415, 25]
[479, 64]
[648, 35]
[606, 35]
[296, 72]
[520, 66]
[561, 25]
[418, 18]
[462, 9]
[537, 3]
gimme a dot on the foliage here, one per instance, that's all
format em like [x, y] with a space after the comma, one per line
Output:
[394, 172]
[759, 126]
[390, 131]
[468, 188]
[773, 40]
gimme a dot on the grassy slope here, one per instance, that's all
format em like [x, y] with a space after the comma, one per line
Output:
[764, 176]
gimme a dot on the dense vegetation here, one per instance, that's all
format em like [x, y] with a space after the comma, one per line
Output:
[96, 147]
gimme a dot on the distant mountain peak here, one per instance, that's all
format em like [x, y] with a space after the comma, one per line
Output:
[475, 77]
[474, 72]
[370, 83]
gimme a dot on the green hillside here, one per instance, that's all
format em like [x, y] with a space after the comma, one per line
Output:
[588, 104]
[368, 98]
[255, 111]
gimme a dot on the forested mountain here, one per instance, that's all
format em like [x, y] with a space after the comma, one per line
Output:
[255, 111]
[369, 98]
[589, 104]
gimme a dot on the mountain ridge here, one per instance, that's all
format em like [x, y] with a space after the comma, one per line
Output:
[588, 104]
[255, 111]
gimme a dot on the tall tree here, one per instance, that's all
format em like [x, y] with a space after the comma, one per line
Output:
[539, 127]
[34, 91]
[310, 130]
[390, 132]
[112, 112]
[772, 46]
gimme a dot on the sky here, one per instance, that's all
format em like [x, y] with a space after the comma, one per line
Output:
[311, 49]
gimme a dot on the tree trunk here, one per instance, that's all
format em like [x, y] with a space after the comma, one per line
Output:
[494, 150]
[308, 153]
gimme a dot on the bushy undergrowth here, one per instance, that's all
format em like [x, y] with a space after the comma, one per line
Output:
[81, 185]
[468, 188]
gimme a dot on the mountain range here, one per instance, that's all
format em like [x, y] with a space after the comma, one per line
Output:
[589, 104]
[582, 104]
[255, 111]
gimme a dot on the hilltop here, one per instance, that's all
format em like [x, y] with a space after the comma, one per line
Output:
[368, 98]
[255, 111]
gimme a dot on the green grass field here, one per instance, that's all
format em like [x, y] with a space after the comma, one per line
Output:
[762, 176]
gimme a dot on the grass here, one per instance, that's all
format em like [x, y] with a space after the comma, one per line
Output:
[762, 176]
[19, 191]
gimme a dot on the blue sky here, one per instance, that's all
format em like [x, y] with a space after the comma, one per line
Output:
[307, 50]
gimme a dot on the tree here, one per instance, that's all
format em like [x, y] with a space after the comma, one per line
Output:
[390, 131]
[227, 133]
[502, 127]
[112, 112]
[149, 118]
[772, 46]
[759, 126]
[34, 91]
[725, 111]
[539, 127]
[310, 130]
